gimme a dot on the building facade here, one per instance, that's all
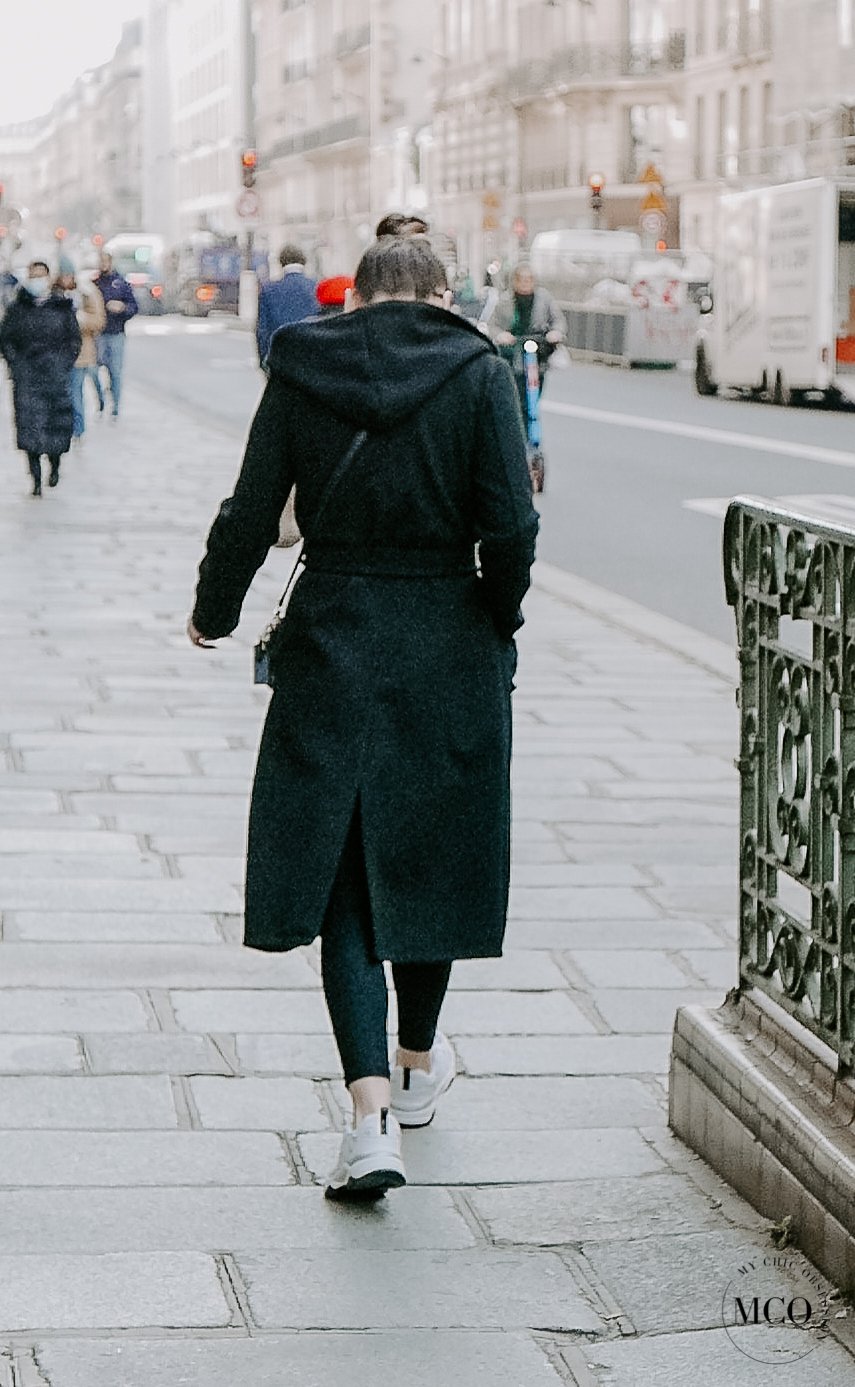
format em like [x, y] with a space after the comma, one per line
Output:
[80, 166]
[533, 98]
[342, 107]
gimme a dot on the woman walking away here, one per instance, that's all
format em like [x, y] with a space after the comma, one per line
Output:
[381, 804]
[40, 339]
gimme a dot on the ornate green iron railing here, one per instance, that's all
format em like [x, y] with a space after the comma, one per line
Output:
[791, 582]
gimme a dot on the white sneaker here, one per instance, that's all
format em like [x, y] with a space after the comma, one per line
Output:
[369, 1162]
[415, 1093]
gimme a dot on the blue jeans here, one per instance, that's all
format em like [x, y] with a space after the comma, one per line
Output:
[78, 376]
[111, 353]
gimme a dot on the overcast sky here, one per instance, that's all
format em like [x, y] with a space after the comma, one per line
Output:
[45, 44]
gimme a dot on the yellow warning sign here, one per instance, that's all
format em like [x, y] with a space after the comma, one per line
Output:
[652, 175]
[654, 202]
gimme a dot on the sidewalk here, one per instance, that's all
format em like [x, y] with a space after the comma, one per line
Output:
[167, 1099]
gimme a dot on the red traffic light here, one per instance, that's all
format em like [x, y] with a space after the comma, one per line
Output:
[60, 233]
[4, 232]
[98, 240]
[248, 164]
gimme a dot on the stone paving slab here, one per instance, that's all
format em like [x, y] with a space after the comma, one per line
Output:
[272, 1105]
[442, 1157]
[419, 1358]
[110, 927]
[254, 1218]
[112, 1291]
[709, 1359]
[114, 1159]
[294, 1012]
[390, 1290]
[314, 1056]
[112, 965]
[602, 1054]
[514, 1013]
[155, 1054]
[633, 1011]
[57, 1011]
[631, 968]
[39, 1054]
[86, 1103]
[547, 1104]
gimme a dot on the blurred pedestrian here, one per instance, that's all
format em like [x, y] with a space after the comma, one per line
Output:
[121, 305]
[91, 319]
[381, 803]
[40, 339]
[8, 288]
[286, 300]
[526, 312]
[401, 224]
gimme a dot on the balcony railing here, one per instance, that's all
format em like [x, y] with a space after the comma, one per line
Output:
[294, 72]
[546, 179]
[586, 63]
[785, 163]
[319, 137]
[352, 40]
[791, 582]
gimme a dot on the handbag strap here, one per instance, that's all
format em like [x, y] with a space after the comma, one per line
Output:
[332, 482]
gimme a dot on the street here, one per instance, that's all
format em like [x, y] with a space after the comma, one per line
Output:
[640, 468]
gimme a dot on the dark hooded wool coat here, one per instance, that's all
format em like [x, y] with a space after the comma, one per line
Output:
[397, 657]
[41, 343]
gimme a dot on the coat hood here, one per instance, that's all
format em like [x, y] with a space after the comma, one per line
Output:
[377, 365]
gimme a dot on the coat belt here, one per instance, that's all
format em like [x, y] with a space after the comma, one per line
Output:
[391, 563]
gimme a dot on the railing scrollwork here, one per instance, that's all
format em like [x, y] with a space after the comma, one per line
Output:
[791, 582]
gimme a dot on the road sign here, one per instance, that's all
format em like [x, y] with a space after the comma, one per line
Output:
[248, 204]
[653, 223]
[654, 202]
[519, 228]
[652, 175]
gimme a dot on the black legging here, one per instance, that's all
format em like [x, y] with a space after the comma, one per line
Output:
[355, 983]
[34, 462]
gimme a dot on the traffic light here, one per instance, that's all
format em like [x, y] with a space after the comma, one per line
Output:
[60, 234]
[248, 164]
[2, 192]
[97, 240]
[596, 183]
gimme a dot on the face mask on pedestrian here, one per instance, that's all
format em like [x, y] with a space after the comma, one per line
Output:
[38, 286]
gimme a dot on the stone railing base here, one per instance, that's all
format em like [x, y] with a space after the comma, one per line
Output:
[758, 1099]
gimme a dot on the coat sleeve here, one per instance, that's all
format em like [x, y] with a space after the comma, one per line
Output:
[130, 301]
[262, 330]
[247, 523]
[9, 335]
[505, 519]
[74, 339]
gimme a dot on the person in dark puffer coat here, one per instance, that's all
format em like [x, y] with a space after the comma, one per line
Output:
[381, 805]
[40, 339]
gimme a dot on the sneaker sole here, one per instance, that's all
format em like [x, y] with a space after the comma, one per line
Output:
[372, 1185]
[421, 1117]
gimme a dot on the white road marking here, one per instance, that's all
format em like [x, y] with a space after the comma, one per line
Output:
[840, 509]
[754, 442]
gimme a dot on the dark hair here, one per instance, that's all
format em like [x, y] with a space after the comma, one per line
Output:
[291, 255]
[402, 267]
[39, 265]
[400, 224]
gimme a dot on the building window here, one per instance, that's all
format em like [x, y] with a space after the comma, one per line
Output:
[700, 136]
[721, 135]
[744, 127]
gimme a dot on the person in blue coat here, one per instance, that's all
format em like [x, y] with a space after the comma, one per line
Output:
[287, 300]
[121, 305]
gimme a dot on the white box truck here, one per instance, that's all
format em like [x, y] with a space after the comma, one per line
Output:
[783, 317]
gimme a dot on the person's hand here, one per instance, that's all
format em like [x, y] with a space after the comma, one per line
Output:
[505, 339]
[554, 336]
[196, 638]
[115, 306]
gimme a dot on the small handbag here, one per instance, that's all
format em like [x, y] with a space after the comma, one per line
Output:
[265, 647]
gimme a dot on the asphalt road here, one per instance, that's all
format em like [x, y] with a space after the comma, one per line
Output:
[639, 468]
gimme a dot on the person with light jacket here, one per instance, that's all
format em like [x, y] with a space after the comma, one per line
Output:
[91, 319]
[380, 816]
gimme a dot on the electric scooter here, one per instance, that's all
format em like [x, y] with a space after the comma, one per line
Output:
[534, 448]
